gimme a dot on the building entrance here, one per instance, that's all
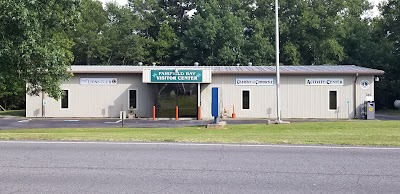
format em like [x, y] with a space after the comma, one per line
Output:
[182, 95]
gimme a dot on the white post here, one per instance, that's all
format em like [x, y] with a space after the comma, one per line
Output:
[278, 102]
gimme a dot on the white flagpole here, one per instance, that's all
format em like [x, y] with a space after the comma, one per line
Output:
[278, 102]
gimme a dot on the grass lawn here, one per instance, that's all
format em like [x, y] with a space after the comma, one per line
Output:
[19, 113]
[373, 133]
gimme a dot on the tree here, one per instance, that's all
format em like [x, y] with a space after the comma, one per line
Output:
[89, 43]
[388, 53]
[216, 34]
[315, 32]
[166, 43]
[34, 46]
[126, 42]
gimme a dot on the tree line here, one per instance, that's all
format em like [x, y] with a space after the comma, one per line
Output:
[40, 39]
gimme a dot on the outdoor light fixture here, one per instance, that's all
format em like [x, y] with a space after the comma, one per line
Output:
[154, 63]
[140, 63]
[250, 64]
[196, 63]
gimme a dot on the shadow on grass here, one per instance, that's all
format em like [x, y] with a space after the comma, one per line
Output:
[15, 113]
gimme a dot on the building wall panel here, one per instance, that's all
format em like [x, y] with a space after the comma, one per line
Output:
[262, 98]
[298, 100]
[96, 100]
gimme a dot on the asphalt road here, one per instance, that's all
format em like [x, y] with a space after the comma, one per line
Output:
[78, 167]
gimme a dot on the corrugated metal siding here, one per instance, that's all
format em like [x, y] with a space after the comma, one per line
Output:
[362, 93]
[298, 100]
[262, 98]
[302, 101]
[97, 101]
[33, 106]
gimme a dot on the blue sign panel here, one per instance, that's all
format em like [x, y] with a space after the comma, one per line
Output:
[214, 102]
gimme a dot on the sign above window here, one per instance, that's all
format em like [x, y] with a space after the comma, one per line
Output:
[177, 75]
[254, 81]
[324, 82]
[99, 81]
[185, 76]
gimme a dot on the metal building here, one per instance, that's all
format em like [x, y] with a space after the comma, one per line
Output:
[247, 91]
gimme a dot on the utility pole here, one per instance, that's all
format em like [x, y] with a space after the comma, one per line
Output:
[278, 76]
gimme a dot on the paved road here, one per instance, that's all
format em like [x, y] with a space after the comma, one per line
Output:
[62, 167]
[387, 117]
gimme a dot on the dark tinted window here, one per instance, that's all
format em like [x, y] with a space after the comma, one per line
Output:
[64, 99]
[245, 99]
[332, 100]
[132, 99]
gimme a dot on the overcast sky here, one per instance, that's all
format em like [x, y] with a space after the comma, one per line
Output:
[123, 2]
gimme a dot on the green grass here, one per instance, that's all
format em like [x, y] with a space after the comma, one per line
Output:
[373, 133]
[18, 113]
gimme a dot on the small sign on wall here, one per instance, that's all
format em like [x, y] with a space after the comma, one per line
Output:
[99, 81]
[324, 82]
[364, 84]
[254, 81]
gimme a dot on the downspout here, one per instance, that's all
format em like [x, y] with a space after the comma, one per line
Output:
[355, 96]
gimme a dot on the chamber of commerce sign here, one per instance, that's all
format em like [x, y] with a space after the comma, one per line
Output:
[254, 81]
[325, 82]
[176, 76]
[99, 81]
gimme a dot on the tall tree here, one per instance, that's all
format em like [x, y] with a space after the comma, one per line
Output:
[165, 45]
[90, 47]
[125, 37]
[34, 46]
[216, 34]
[314, 32]
[388, 51]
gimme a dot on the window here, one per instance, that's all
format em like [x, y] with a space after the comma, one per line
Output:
[332, 100]
[245, 99]
[65, 99]
[132, 99]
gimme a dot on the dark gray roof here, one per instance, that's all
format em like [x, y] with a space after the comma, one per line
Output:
[294, 70]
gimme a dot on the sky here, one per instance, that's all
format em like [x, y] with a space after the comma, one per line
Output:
[374, 13]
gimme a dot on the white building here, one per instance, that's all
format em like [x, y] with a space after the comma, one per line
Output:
[248, 91]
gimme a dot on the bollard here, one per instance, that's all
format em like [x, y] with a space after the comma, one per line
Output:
[154, 113]
[122, 115]
[199, 113]
[233, 113]
[176, 113]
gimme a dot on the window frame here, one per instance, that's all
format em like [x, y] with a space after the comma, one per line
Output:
[241, 96]
[68, 100]
[329, 100]
[129, 98]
